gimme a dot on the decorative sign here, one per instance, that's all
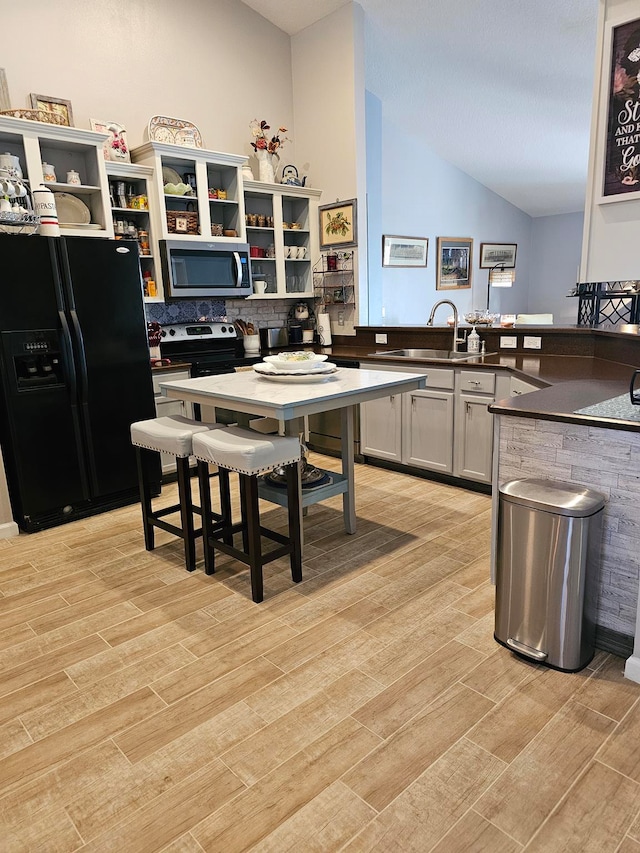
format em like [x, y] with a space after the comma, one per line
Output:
[622, 167]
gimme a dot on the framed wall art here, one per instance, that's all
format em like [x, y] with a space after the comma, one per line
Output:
[455, 257]
[621, 170]
[498, 253]
[115, 148]
[48, 104]
[404, 251]
[338, 224]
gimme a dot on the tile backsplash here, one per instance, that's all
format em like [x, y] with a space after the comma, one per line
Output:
[263, 313]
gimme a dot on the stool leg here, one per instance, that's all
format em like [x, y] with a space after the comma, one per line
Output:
[225, 506]
[295, 533]
[186, 512]
[253, 535]
[243, 512]
[205, 506]
[145, 500]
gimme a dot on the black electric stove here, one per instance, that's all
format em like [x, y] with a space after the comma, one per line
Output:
[211, 348]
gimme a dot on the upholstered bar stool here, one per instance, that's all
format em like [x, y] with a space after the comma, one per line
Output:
[249, 454]
[173, 434]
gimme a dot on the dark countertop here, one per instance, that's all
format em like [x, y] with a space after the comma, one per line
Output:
[567, 382]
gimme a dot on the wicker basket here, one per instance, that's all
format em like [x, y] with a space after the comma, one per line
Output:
[182, 222]
[36, 115]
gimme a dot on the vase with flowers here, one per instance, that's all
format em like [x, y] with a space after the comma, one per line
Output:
[266, 148]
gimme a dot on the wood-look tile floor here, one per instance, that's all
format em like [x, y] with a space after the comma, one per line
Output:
[368, 708]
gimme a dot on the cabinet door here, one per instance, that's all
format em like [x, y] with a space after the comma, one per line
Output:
[474, 437]
[428, 430]
[381, 428]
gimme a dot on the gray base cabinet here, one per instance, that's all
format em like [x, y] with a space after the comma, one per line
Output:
[381, 428]
[446, 427]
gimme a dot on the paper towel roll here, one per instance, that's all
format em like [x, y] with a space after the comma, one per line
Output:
[324, 330]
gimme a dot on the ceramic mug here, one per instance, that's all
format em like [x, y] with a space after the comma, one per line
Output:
[6, 187]
[259, 286]
[307, 336]
[251, 343]
[302, 251]
[5, 205]
[287, 251]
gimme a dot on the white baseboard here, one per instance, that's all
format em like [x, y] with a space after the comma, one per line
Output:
[9, 529]
[632, 668]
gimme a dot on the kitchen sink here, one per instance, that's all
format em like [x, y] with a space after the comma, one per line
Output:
[428, 354]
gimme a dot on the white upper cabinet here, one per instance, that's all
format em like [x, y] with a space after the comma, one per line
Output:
[84, 208]
[282, 231]
[213, 211]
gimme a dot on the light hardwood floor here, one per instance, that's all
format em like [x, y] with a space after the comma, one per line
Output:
[368, 708]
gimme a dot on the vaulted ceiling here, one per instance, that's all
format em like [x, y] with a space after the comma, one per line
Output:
[500, 88]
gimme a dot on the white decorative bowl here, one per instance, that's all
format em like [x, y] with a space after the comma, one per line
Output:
[295, 360]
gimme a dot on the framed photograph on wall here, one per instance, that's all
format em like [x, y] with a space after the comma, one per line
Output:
[455, 258]
[621, 169]
[58, 106]
[338, 224]
[498, 253]
[404, 251]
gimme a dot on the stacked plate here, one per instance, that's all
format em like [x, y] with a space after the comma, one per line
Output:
[295, 367]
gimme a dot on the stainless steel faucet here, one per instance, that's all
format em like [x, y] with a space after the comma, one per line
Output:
[456, 339]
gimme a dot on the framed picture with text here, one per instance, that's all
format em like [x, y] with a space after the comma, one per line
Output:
[621, 169]
[455, 257]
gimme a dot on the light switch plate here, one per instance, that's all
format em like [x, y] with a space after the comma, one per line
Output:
[532, 343]
[508, 342]
[381, 339]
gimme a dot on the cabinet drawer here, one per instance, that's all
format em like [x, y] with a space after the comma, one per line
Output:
[477, 380]
[438, 377]
[165, 376]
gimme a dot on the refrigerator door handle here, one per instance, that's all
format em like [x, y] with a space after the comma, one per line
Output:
[68, 352]
[84, 389]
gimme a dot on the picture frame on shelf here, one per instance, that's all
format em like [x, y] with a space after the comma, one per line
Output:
[116, 148]
[620, 178]
[58, 106]
[338, 224]
[492, 254]
[455, 259]
[404, 251]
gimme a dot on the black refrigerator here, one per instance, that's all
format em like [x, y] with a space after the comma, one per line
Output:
[75, 373]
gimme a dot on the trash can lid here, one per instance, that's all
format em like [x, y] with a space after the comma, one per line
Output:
[553, 496]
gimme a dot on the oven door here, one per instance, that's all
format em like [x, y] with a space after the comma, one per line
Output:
[205, 270]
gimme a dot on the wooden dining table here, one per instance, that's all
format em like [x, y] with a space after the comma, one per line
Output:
[290, 400]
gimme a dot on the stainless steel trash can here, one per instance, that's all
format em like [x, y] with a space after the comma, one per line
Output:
[547, 562]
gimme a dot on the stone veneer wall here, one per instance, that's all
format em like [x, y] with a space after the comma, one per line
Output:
[607, 460]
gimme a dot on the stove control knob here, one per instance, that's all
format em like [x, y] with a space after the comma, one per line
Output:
[163, 334]
[223, 329]
[172, 331]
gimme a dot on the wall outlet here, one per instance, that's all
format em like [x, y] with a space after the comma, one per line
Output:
[341, 318]
[381, 339]
[532, 343]
[508, 342]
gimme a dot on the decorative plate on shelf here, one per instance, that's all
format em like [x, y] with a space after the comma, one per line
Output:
[174, 131]
[72, 211]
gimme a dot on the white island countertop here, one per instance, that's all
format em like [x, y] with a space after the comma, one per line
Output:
[255, 394]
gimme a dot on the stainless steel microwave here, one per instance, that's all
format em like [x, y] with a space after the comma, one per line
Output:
[205, 270]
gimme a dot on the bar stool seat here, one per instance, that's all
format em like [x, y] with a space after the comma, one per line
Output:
[250, 454]
[172, 434]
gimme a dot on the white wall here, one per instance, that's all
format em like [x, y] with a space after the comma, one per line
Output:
[424, 196]
[555, 254]
[329, 110]
[216, 63]
[611, 245]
